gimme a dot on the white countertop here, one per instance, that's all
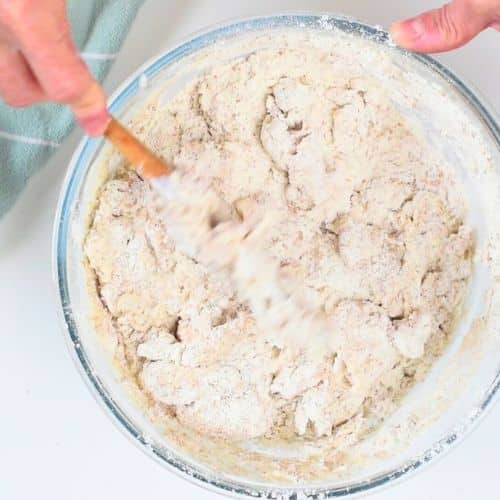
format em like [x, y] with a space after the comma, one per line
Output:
[56, 443]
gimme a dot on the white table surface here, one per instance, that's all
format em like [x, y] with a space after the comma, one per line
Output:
[55, 442]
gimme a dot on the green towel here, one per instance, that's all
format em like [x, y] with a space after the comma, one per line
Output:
[29, 136]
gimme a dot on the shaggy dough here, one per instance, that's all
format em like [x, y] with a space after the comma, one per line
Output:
[358, 225]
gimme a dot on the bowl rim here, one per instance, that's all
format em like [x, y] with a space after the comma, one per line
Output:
[81, 162]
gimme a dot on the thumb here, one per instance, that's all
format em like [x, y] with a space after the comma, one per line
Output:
[439, 30]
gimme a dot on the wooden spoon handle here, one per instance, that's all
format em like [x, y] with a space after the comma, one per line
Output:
[147, 164]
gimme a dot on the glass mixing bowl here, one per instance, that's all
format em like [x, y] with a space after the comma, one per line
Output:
[468, 373]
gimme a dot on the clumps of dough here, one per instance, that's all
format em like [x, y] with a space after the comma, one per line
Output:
[358, 225]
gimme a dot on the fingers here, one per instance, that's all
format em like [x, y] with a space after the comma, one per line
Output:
[18, 86]
[91, 111]
[43, 33]
[449, 27]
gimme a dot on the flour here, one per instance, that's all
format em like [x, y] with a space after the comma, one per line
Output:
[206, 228]
[307, 164]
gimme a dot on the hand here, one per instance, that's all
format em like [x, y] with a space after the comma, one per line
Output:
[39, 62]
[449, 27]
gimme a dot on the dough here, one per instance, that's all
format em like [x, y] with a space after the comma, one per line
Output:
[357, 224]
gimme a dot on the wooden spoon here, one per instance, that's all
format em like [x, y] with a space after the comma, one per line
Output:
[146, 163]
